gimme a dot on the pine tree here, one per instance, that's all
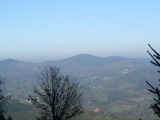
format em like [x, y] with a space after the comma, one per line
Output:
[155, 90]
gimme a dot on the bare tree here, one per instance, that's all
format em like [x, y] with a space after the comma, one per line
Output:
[58, 98]
[155, 90]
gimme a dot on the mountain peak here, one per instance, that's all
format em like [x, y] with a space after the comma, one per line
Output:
[91, 60]
[83, 56]
[10, 60]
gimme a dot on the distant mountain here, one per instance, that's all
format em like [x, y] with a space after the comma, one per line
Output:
[91, 60]
[108, 82]
[8, 61]
[83, 57]
[17, 70]
[79, 64]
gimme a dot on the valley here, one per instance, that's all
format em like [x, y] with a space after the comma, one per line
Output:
[114, 87]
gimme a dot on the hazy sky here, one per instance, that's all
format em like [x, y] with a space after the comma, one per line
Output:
[37, 30]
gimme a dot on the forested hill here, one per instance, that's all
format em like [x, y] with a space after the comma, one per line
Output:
[83, 65]
[115, 85]
[90, 60]
[79, 64]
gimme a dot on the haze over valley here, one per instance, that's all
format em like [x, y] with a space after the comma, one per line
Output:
[114, 86]
[52, 34]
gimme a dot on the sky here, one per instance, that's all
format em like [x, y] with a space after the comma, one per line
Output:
[38, 30]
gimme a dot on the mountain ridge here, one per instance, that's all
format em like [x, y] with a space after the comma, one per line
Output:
[79, 64]
[108, 82]
[78, 56]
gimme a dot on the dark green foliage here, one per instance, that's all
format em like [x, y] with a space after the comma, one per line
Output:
[9, 118]
[2, 117]
[58, 98]
[2, 100]
[155, 90]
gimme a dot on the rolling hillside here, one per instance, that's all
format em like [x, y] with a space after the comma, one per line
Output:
[113, 86]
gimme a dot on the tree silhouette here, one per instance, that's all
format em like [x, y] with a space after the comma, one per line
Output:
[58, 97]
[2, 100]
[9, 118]
[155, 90]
